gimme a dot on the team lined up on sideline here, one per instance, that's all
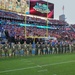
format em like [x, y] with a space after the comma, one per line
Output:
[19, 49]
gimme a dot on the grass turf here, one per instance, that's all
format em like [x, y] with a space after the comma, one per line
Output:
[60, 64]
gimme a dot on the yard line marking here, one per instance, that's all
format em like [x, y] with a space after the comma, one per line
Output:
[39, 66]
[18, 69]
[43, 70]
[58, 63]
[36, 66]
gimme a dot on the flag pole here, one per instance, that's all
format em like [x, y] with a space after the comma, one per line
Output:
[63, 9]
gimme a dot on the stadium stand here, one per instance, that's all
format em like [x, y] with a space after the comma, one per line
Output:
[11, 30]
[10, 22]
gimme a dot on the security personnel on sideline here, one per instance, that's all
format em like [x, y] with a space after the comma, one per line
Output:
[5, 48]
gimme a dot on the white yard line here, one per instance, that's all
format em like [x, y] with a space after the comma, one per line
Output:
[58, 63]
[38, 66]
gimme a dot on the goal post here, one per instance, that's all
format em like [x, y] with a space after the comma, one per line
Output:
[42, 27]
[39, 27]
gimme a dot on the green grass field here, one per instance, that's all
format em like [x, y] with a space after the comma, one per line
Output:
[60, 64]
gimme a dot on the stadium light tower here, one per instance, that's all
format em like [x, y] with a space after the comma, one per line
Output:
[63, 9]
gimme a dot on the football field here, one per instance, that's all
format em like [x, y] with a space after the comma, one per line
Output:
[57, 64]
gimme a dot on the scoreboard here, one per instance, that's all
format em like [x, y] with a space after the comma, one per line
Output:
[42, 8]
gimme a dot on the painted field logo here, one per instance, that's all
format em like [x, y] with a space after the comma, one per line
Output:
[43, 8]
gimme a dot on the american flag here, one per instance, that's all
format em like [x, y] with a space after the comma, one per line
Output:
[63, 7]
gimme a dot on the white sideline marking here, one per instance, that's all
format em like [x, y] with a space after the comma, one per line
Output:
[43, 70]
[38, 66]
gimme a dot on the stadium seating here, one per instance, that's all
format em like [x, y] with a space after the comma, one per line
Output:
[11, 22]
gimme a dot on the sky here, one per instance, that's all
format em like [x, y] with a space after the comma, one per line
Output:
[69, 9]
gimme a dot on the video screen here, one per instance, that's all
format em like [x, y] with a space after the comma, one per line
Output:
[42, 8]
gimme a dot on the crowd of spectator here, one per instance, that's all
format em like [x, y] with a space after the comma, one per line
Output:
[14, 29]
[73, 26]
[10, 15]
[10, 27]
